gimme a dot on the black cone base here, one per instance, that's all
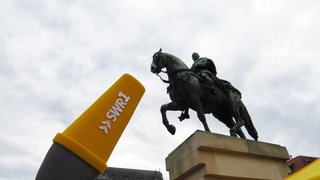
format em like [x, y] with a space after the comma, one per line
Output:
[60, 163]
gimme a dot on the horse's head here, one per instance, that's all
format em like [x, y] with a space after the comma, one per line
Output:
[158, 62]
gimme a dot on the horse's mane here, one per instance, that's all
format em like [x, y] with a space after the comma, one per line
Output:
[174, 58]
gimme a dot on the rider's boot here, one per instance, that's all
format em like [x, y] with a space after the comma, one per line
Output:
[184, 115]
[211, 90]
[211, 87]
[209, 84]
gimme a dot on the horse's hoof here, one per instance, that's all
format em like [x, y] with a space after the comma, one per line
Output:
[183, 116]
[171, 129]
[233, 134]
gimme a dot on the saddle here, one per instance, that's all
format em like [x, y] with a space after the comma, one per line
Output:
[224, 85]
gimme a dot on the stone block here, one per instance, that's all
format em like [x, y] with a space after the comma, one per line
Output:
[210, 156]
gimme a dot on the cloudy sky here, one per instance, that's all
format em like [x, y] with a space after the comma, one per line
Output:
[57, 57]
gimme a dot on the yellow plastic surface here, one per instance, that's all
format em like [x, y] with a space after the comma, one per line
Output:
[309, 172]
[96, 132]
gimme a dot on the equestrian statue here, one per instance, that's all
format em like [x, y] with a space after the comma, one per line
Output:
[199, 89]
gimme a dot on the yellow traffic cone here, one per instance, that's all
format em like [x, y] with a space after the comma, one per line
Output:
[93, 136]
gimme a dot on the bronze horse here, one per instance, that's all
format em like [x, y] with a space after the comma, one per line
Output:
[187, 91]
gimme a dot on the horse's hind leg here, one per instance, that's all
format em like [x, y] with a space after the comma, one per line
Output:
[241, 134]
[248, 122]
[239, 123]
[229, 122]
[164, 108]
[234, 132]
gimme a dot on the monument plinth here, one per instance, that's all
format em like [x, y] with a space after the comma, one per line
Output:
[209, 156]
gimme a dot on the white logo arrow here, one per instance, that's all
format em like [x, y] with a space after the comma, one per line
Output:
[105, 128]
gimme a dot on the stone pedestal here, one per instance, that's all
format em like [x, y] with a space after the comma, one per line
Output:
[209, 156]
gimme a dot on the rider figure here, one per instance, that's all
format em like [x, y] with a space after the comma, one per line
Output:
[203, 63]
[207, 70]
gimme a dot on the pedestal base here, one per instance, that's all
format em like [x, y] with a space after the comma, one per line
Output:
[209, 156]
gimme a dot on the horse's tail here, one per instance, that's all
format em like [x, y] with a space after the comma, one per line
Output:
[248, 122]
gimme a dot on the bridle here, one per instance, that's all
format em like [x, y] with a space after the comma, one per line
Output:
[162, 71]
[166, 72]
[163, 80]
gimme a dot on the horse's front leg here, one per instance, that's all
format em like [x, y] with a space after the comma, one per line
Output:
[203, 120]
[172, 106]
[200, 112]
